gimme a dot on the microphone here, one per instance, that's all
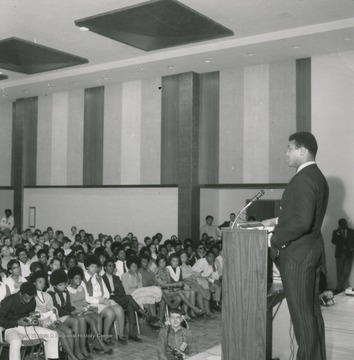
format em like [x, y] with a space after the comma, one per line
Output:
[257, 196]
[253, 200]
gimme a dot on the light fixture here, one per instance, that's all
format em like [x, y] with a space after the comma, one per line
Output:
[296, 47]
[208, 61]
[170, 67]
[83, 28]
[347, 38]
[250, 54]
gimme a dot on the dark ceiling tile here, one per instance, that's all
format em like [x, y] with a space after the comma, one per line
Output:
[155, 25]
[29, 58]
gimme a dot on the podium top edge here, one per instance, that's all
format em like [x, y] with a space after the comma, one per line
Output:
[243, 230]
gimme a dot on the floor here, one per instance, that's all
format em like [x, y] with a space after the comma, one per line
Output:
[206, 332]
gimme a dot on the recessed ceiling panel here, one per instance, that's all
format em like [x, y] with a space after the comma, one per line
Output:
[155, 25]
[29, 58]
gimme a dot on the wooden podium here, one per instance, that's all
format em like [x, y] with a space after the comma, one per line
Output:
[245, 319]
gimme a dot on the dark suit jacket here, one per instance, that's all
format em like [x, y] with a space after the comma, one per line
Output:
[303, 207]
[118, 286]
[225, 224]
[343, 244]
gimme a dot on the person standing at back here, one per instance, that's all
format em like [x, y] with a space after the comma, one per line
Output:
[343, 238]
[297, 245]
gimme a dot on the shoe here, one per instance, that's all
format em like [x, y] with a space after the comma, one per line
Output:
[135, 338]
[122, 340]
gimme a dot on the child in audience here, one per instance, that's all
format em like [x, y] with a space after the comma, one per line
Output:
[67, 313]
[88, 312]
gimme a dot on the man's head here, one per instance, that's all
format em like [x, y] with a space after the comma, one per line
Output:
[8, 213]
[14, 267]
[121, 254]
[109, 267]
[232, 217]
[21, 254]
[302, 148]
[175, 318]
[343, 224]
[27, 292]
[210, 257]
[209, 219]
[39, 279]
[42, 256]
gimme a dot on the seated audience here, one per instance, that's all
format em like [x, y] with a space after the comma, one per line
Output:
[15, 279]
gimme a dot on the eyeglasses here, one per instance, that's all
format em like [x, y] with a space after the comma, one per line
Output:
[200, 248]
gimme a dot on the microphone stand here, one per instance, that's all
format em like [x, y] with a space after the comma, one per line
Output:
[239, 214]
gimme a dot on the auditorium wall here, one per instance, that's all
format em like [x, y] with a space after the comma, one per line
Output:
[333, 125]
[6, 200]
[141, 210]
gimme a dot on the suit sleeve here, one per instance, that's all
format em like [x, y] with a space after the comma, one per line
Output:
[300, 213]
[335, 237]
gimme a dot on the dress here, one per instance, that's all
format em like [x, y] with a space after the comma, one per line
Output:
[78, 298]
[196, 282]
[133, 286]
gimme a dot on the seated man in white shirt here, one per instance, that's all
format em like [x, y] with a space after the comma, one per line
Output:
[7, 222]
[207, 268]
[121, 265]
[25, 264]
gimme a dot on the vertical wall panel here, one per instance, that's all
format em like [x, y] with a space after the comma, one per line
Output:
[44, 143]
[59, 138]
[75, 145]
[112, 138]
[303, 94]
[256, 124]
[30, 141]
[131, 130]
[282, 118]
[169, 129]
[93, 136]
[231, 126]
[151, 131]
[5, 143]
[209, 128]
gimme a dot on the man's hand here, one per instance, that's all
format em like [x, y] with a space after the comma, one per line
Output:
[269, 222]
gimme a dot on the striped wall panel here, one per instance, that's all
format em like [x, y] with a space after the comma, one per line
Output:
[93, 136]
[5, 143]
[112, 138]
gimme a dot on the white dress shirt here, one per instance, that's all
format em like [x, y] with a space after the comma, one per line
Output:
[120, 265]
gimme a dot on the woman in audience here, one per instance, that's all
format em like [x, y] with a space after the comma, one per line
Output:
[184, 291]
[49, 314]
[172, 289]
[107, 246]
[5, 257]
[98, 295]
[70, 261]
[190, 255]
[197, 283]
[67, 313]
[153, 252]
[133, 285]
[15, 279]
[88, 313]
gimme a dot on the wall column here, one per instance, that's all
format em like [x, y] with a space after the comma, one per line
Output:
[180, 147]
[24, 151]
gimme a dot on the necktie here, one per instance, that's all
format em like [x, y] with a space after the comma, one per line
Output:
[124, 267]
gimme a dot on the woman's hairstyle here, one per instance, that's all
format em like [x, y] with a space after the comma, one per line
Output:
[39, 274]
[68, 258]
[133, 260]
[91, 259]
[41, 252]
[145, 256]
[76, 270]
[36, 265]
[11, 263]
[174, 256]
[55, 259]
[159, 258]
[58, 277]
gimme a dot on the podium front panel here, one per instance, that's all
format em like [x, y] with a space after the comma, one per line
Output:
[244, 291]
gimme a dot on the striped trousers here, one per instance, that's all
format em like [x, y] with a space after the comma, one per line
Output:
[301, 287]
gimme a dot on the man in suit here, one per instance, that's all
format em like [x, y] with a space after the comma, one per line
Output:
[117, 293]
[228, 223]
[297, 245]
[343, 238]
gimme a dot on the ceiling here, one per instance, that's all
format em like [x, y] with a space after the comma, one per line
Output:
[264, 31]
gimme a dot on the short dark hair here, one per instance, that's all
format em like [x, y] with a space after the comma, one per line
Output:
[11, 263]
[209, 217]
[133, 260]
[28, 288]
[8, 211]
[174, 256]
[19, 250]
[109, 260]
[35, 265]
[306, 140]
[41, 252]
[57, 251]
